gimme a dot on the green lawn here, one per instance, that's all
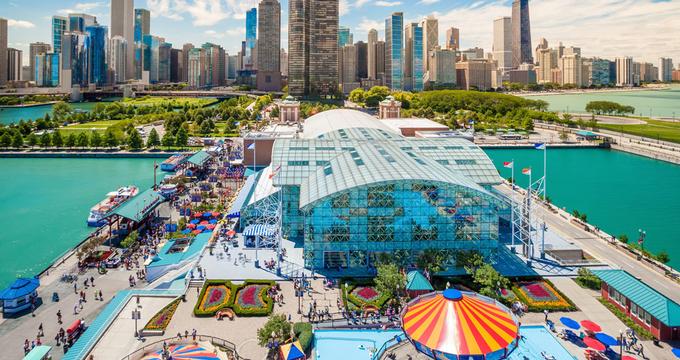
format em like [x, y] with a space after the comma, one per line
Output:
[175, 101]
[654, 129]
[99, 126]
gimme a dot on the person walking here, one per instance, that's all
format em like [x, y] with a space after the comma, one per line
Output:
[59, 316]
[193, 334]
[545, 312]
[40, 330]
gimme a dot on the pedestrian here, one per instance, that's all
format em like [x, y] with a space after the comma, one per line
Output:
[75, 287]
[92, 280]
[624, 343]
[80, 304]
[59, 316]
[641, 351]
[193, 334]
[40, 330]
[186, 334]
[101, 296]
[545, 312]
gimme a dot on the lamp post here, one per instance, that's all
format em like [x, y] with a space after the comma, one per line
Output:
[621, 343]
[641, 239]
[136, 315]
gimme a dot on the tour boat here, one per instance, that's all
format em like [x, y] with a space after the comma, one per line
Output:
[168, 190]
[173, 162]
[113, 200]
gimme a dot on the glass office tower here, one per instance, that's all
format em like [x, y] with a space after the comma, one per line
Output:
[394, 39]
[95, 44]
[251, 37]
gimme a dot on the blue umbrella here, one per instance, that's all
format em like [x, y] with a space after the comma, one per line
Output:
[194, 221]
[213, 221]
[606, 339]
[200, 227]
[207, 214]
[676, 352]
[186, 231]
[570, 323]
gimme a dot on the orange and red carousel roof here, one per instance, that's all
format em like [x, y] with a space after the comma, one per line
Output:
[454, 323]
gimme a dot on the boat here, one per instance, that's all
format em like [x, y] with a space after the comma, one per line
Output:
[171, 163]
[113, 200]
[168, 190]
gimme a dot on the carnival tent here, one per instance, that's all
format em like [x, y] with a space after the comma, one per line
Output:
[292, 351]
[454, 324]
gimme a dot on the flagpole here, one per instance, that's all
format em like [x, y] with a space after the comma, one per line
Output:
[545, 173]
[531, 243]
[512, 211]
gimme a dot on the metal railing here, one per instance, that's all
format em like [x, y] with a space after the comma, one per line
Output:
[158, 346]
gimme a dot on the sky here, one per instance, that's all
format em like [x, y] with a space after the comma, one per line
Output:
[644, 29]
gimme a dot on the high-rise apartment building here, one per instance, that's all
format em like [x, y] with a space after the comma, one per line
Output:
[599, 75]
[95, 42]
[3, 51]
[176, 65]
[79, 22]
[123, 24]
[649, 72]
[196, 73]
[380, 61]
[345, 36]
[371, 54]
[74, 60]
[548, 61]
[624, 71]
[47, 69]
[521, 33]
[361, 59]
[413, 57]
[269, 46]
[142, 27]
[164, 62]
[475, 74]
[313, 47]
[59, 25]
[151, 58]
[35, 49]
[502, 42]
[251, 39]
[233, 66]
[542, 44]
[14, 60]
[665, 69]
[215, 62]
[118, 49]
[430, 27]
[348, 69]
[185, 54]
[571, 68]
[442, 73]
[284, 62]
[453, 39]
[394, 53]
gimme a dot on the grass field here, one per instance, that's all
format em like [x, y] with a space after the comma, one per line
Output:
[176, 102]
[99, 126]
[654, 129]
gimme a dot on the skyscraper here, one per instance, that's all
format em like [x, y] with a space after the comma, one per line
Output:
[14, 57]
[394, 38]
[3, 51]
[74, 60]
[430, 27]
[186, 48]
[372, 40]
[118, 48]
[665, 69]
[123, 24]
[362, 59]
[521, 33]
[95, 44]
[151, 47]
[78, 22]
[442, 68]
[196, 68]
[164, 62]
[215, 62]
[313, 47]
[380, 61]
[502, 42]
[176, 65]
[624, 71]
[453, 39]
[284, 62]
[35, 49]
[348, 68]
[345, 37]
[251, 38]
[47, 69]
[59, 25]
[269, 46]
[142, 27]
[413, 57]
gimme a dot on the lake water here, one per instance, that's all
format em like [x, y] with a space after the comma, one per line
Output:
[44, 205]
[657, 103]
[619, 192]
[14, 115]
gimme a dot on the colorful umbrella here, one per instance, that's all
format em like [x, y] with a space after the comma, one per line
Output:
[215, 214]
[570, 323]
[231, 233]
[184, 352]
[207, 214]
[606, 339]
[191, 226]
[676, 352]
[592, 343]
[210, 227]
[196, 232]
[627, 357]
[194, 221]
[196, 215]
[204, 222]
[201, 227]
[186, 231]
[291, 351]
[591, 326]
[452, 323]
[213, 221]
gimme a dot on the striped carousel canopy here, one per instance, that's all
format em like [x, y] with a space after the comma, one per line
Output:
[455, 324]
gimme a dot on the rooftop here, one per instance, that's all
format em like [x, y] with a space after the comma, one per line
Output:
[332, 120]
[658, 305]
[199, 158]
[163, 258]
[139, 207]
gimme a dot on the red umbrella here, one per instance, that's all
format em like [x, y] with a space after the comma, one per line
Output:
[210, 227]
[191, 226]
[196, 215]
[231, 233]
[626, 357]
[196, 232]
[591, 326]
[594, 344]
[215, 214]
[205, 222]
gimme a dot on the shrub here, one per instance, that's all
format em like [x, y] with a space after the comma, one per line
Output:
[199, 312]
[349, 298]
[304, 334]
[588, 280]
[639, 330]
[268, 303]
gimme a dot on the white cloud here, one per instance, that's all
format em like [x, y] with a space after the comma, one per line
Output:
[387, 3]
[366, 24]
[82, 7]
[344, 7]
[202, 12]
[428, 2]
[20, 24]
[360, 3]
[163, 8]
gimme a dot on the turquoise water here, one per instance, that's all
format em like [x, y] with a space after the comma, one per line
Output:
[13, 115]
[45, 202]
[619, 192]
[345, 344]
[658, 103]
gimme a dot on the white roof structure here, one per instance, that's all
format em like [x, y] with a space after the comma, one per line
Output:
[419, 123]
[333, 120]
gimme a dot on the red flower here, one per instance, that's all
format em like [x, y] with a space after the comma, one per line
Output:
[248, 297]
[537, 290]
[367, 293]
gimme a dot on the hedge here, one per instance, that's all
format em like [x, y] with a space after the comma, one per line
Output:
[304, 334]
[200, 313]
[269, 303]
[539, 308]
[639, 330]
[348, 297]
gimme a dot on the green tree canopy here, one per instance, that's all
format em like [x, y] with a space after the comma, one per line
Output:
[182, 139]
[70, 141]
[95, 139]
[17, 140]
[6, 140]
[110, 139]
[134, 140]
[57, 140]
[278, 325]
[390, 279]
[168, 139]
[45, 140]
[32, 140]
[153, 139]
[61, 110]
[83, 140]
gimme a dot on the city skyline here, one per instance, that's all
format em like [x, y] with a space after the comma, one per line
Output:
[223, 22]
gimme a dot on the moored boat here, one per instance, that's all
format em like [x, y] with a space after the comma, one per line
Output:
[113, 200]
[171, 163]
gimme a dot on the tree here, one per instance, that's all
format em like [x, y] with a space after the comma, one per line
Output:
[45, 140]
[489, 280]
[83, 140]
[95, 140]
[6, 140]
[390, 279]
[134, 140]
[278, 326]
[17, 140]
[357, 95]
[470, 260]
[564, 136]
[182, 139]
[206, 127]
[57, 140]
[32, 140]
[110, 139]
[153, 139]
[663, 257]
[432, 260]
[168, 139]
[61, 109]
[70, 140]
[130, 240]
[623, 238]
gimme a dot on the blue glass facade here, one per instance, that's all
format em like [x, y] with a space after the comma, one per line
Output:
[47, 70]
[344, 36]
[74, 58]
[600, 75]
[151, 46]
[417, 59]
[251, 35]
[58, 27]
[96, 48]
[394, 44]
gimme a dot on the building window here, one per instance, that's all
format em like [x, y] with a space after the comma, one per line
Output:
[334, 259]
[466, 162]
[298, 163]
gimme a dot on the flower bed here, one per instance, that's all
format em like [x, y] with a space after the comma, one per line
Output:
[252, 299]
[540, 295]
[216, 295]
[361, 295]
[160, 321]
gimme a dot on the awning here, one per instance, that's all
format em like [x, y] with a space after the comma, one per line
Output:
[38, 353]
[242, 198]
[199, 158]
[20, 288]
[139, 207]
[259, 230]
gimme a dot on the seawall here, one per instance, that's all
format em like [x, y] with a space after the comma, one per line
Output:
[86, 155]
